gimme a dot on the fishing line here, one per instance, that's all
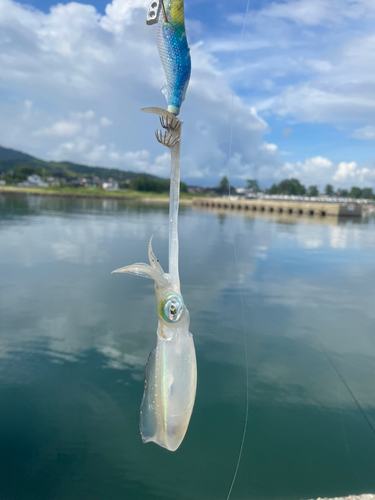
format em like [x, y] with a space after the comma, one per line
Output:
[346, 444]
[237, 267]
[341, 377]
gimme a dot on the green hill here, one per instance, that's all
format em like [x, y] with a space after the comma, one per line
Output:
[11, 154]
[15, 162]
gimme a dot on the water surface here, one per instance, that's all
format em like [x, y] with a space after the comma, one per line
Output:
[74, 340]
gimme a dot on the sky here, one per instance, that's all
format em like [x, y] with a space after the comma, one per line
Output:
[286, 91]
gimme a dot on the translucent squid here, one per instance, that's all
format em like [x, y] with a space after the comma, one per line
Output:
[171, 371]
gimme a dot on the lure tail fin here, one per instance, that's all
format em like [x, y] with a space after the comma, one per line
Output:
[164, 91]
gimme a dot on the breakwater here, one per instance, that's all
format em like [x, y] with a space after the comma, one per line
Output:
[319, 209]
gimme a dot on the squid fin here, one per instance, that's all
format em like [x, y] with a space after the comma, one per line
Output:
[144, 270]
[153, 260]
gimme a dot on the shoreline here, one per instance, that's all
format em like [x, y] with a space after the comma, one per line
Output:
[99, 196]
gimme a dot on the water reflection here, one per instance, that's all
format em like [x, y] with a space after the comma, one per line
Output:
[74, 341]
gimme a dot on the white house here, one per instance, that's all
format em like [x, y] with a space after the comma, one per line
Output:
[110, 185]
[34, 181]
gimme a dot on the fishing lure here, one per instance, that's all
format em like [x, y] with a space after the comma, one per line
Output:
[171, 372]
[173, 49]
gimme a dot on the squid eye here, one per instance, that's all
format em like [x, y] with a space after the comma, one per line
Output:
[172, 308]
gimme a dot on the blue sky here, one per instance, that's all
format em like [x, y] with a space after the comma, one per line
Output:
[73, 77]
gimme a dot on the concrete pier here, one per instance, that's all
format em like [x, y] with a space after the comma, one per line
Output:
[280, 206]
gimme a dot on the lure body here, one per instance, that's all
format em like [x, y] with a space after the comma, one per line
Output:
[173, 49]
[171, 372]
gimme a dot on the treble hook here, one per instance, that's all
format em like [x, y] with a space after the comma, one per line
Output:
[170, 124]
[167, 138]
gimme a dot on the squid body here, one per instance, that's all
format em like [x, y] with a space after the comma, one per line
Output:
[171, 372]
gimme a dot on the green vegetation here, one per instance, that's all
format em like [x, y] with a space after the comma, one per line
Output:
[294, 187]
[21, 172]
[288, 186]
[253, 185]
[10, 169]
[342, 192]
[91, 192]
[224, 184]
[13, 165]
[16, 167]
[155, 185]
[312, 191]
[367, 194]
[355, 192]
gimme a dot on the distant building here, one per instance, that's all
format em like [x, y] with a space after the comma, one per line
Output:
[34, 181]
[240, 192]
[110, 185]
[52, 181]
[96, 181]
[78, 182]
[195, 189]
[2, 183]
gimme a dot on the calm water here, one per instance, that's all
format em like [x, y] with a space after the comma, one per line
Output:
[74, 340]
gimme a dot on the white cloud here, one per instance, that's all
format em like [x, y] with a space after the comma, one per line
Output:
[317, 170]
[287, 132]
[271, 148]
[61, 129]
[303, 11]
[320, 171]
[105, 122]
[320, 59]
[308, 103]
[320, 66]
[365, 134]
[73, 81]
[338, 84]
[346, 171]
[315, 164]
[120, 13]
[87, 75]
[318, 12]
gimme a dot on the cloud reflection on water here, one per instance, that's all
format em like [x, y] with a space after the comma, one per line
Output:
[311, 277]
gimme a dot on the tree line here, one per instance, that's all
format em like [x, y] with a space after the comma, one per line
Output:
[157, 185]
[294, 187]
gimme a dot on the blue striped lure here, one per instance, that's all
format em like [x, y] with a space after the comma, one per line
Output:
[173, 49]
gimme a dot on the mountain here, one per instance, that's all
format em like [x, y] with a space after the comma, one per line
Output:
[11, 159]
[11, 154]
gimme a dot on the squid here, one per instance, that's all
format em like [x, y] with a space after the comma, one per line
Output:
[171, 370]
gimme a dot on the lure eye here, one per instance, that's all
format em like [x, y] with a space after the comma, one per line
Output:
[172, 308]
